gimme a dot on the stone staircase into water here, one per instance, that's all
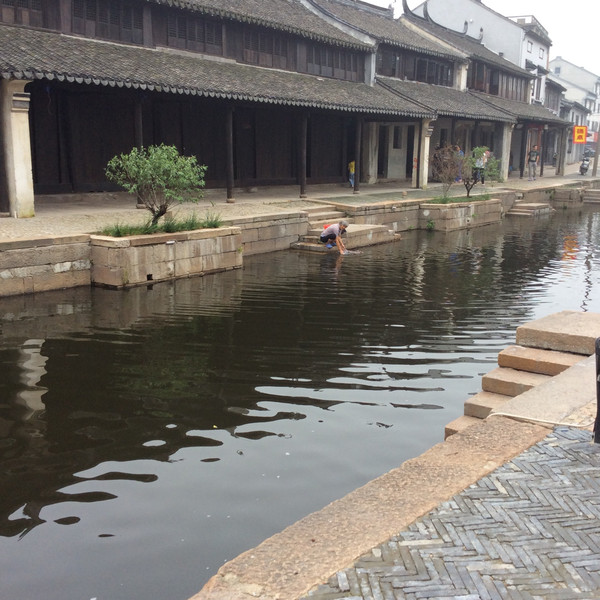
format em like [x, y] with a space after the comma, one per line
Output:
[529, 209]
[357, 235]
[591, 196]
[539, 354]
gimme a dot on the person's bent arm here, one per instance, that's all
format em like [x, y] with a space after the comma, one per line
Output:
[340, 244]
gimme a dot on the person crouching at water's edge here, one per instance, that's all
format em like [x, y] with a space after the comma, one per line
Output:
[332, 235]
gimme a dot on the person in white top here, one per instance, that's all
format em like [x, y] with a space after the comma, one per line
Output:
[332, 235]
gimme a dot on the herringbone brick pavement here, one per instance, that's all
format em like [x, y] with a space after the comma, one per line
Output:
[530, 530]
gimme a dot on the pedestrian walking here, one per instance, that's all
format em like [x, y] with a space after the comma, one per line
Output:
[351, 171]
[532, 161]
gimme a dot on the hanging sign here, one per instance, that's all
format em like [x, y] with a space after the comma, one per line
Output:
[579, 134]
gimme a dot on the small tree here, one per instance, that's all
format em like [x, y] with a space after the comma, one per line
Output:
[445, 167]
[479, 165]
[158, 175]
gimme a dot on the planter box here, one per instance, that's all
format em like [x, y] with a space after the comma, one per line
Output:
[461, 215]
[136, 260]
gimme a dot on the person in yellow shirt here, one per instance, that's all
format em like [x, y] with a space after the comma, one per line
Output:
[351, 170]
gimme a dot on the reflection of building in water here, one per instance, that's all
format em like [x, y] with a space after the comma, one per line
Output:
[570, 247]
[33, 366]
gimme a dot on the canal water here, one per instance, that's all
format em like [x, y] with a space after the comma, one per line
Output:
[148, 436]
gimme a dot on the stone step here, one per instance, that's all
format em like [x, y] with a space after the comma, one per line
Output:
[481, 405]
[535, 360]
[530, 209]
[519, 213]
[458, 425]
[318, 221]
[317, 208]
[591, 200]
[357, 236]
[566, 331]
[510, 382]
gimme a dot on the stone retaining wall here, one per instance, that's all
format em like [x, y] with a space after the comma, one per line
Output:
[398, 216]
[270, 232]
[28, 266]
[567, 196]
[40, 265]
[135, 260]
[462, 215]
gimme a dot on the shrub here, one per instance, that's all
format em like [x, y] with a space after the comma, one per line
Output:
[158, 176]
[446, 167]
[479, 165]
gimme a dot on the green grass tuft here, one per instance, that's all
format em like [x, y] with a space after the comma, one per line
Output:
[169, 225]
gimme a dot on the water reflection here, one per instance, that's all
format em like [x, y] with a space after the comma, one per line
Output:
[177, 425]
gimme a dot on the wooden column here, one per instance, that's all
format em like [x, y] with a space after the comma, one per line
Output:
[302, 154]
[229, 146]
[543, 149]
[357, 154]
[138, 123]
[561, 160]
[522, 158]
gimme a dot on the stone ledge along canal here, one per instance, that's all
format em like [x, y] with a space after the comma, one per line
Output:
[147, 436]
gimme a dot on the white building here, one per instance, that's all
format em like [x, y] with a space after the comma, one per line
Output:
[521, 39]
[583, 88]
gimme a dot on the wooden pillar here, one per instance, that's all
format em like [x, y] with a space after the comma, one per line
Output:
[474, 136]
[302, 154]
[357, 154]
[561, 159]
[229, 146]
[138, 123]
[419, 153]
[543, 149]
[522, 158]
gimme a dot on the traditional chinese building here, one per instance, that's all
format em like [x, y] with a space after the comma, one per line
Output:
[263, 92]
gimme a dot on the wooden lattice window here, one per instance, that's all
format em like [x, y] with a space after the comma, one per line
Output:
[332, 62]
[113, 20]
[22, 12]
[195, 34]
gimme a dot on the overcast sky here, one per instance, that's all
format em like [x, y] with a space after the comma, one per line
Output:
[573, 25]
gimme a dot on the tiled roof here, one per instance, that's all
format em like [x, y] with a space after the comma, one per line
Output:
[387, 30]
[521, 110]
[33, 54]
[469, 45]
[446, 101]
[290, 16]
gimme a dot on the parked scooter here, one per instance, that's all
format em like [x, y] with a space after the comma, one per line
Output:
[585, 165]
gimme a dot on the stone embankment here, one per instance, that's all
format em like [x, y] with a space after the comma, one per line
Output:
[319, 555]
[37, 263]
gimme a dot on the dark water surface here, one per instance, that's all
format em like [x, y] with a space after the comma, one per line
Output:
[148, 436]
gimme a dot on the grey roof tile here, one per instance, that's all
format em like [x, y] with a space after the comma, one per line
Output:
[472, 47]
[285, 15]
[388, 30]
[521, 110]
[447, 101]
[34, 54]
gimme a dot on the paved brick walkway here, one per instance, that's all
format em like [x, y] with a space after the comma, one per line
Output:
[530, 530]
